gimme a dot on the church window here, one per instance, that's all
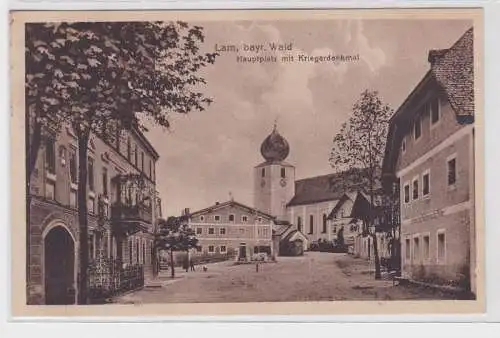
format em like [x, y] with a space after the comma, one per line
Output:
[263, 172]
[311, 224]
[299, 223]
[324, 223]
[283, 173]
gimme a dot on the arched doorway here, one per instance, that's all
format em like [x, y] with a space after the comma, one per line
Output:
[59, 262]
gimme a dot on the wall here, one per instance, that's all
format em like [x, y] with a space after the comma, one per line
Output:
[272, 192]
[317, 210]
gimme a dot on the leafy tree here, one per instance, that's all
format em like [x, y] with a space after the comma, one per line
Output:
[174, 235]
[104, 77]
[360, 143]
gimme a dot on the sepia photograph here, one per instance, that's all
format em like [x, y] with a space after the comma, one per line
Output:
[263, 158]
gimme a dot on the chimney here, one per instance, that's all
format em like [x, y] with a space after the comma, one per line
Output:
[185, 212]
[435, 55]
[216, 203]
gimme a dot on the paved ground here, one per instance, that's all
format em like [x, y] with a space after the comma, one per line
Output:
[313, 277]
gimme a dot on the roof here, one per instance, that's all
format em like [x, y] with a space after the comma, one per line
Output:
[452, 70]
[292, 233]
[324, 188]
[217, 206]
[280, 229]
[359, 208]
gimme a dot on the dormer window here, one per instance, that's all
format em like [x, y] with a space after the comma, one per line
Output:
[417, 128]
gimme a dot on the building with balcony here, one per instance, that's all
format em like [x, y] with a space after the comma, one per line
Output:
[429, 165]
[122, 204]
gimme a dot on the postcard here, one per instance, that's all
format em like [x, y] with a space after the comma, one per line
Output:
[247, 162]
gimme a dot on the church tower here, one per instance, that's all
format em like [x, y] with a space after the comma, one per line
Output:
[274, 179]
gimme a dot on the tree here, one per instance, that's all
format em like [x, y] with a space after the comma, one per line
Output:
[175, 235]
[340, 237]
[104, 77]
[360, 143]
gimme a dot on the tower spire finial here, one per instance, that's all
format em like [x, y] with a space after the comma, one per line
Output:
[275, 126]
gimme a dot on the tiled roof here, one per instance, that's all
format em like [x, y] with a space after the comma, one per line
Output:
[324, 188]
[280, 229]
[453, 69]
[230, 203]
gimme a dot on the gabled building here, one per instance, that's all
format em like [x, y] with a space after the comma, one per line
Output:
[232, 229]
[429, 162]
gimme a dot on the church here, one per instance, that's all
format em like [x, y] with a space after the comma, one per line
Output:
[296, 212]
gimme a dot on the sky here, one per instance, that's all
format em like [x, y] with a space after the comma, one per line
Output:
[206, 156]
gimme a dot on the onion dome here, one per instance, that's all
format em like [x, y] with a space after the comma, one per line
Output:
[274, 148]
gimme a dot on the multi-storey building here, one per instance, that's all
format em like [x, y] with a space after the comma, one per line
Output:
[430, 159]
[232, 229]
[121, 202]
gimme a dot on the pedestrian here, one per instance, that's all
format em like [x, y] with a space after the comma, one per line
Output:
[257, 267]
[191, 263]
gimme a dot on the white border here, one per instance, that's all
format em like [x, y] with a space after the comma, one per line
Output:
[492, 137]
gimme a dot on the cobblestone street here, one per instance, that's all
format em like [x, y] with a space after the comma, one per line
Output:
[312, 277]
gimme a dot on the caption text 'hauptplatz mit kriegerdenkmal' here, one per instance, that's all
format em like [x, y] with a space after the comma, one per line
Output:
[273, 52]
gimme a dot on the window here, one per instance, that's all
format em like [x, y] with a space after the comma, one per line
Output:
[142, 161]
[452, 171]
[198, 248]
[72, 166]
[231, 218]
[407, 249]
[434, 106]
[154, 172]
[244, 219]
[283, 173]
[62, 155]
[202, 218]
[324, 223]
[407, 193]
[72, 198]
[263, 172]
[150, 169]
[211, 249]
[441, 247]
[129, 150]
[265, 232]
[90, 170]
[259, 219]
[130, 251]
[50, 190]
[50, 156]
[426, 187]
[217, 218]
[426, 249]
[211, 231]
[222, 249]
[105, 181]
[91, 246]
[299, 223]
[137, 252]
[311, 224]
[403, 145]
[416, 249]
[222, 231]
[199, 231]
[415, 189]
[143, 253]
[417, 128]
[91, 205]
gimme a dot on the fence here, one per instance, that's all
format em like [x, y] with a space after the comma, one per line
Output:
[108, 277]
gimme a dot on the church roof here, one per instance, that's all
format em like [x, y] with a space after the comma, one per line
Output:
[324, 188]
[275, 147]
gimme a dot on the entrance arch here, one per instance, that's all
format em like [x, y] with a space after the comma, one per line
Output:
[59, 266]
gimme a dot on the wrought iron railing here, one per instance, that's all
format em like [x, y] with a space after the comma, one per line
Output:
[120, 211]
[108, 277]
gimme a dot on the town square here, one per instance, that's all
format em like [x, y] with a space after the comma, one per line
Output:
[160, 169]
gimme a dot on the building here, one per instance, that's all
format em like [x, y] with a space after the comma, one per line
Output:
[232, 229]
[122, 201]
[429, 162]
[302, 205]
